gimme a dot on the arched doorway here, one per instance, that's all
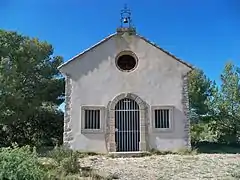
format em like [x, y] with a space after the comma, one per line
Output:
[127, 125]
[116, 110]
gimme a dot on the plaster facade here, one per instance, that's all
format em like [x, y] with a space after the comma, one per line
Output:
[93, 79]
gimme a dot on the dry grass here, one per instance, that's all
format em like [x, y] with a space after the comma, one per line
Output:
[155, 165]
[161, 167]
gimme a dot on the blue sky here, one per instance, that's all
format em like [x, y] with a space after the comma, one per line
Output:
[205, 33]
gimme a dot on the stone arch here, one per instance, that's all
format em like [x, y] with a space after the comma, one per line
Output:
[132, 96]
[111, 121]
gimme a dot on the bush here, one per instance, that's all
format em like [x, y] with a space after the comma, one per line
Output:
[202, 132]
[66, 161]
[20, 163]
[70, 164]
[63, 163]
[59, 153]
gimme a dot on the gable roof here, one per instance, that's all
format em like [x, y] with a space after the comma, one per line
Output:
[112, 35]
[168, 53]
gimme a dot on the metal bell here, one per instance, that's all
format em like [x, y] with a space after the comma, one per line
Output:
[125, 20]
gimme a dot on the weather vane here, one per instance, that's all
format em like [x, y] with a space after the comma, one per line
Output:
[126, 20]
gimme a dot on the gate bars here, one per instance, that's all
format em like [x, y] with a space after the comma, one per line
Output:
[127, 125]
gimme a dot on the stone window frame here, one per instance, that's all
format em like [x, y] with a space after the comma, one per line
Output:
[171, 119]
[102, 119]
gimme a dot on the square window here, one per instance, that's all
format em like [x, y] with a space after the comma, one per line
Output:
[92, 119]
[162, 118]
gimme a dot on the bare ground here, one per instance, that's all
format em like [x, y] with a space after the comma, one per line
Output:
[168, 167]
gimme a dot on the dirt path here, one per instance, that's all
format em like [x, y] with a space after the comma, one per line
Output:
[168, 167]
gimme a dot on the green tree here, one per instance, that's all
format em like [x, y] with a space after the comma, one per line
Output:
[201, 91]
[201, 98]
[31, 87]
[227, 105]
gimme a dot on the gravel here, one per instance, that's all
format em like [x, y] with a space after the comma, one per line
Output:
[167, 167]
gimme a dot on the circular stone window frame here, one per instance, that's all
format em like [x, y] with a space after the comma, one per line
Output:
[129, 53]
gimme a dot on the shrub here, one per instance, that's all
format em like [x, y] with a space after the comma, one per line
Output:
[66, 162]
[20, 163]
[203, 132]
[70, 165]
[59, 153]
[63, 163]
